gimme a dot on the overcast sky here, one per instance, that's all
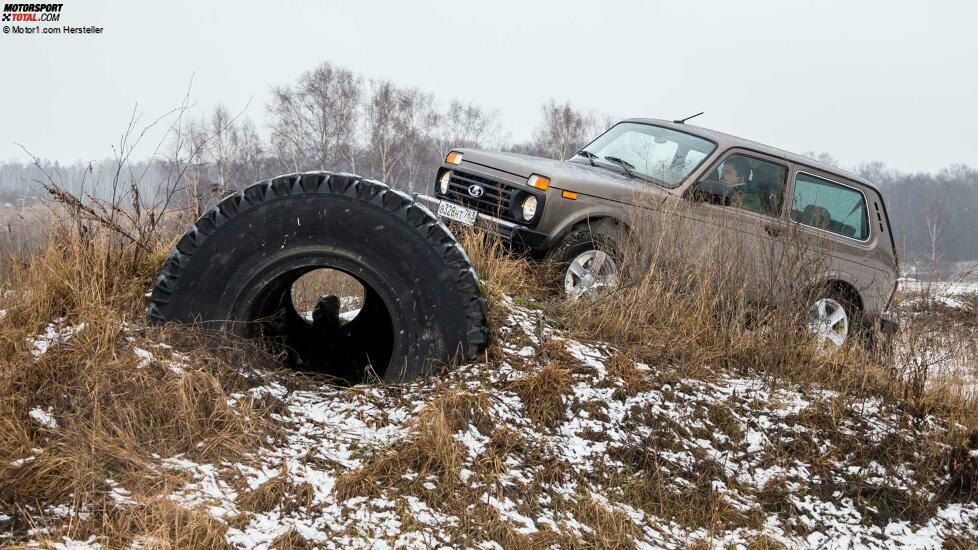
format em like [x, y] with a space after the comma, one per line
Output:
[889, 81]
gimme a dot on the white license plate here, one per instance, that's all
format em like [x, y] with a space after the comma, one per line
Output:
[457, 213]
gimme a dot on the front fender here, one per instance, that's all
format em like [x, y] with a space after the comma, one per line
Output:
[591, 212]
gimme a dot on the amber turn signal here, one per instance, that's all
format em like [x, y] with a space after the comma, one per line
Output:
[538, 181]
[569, 195]
[454, 157]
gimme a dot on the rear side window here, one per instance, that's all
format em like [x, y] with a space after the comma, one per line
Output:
[826, 205]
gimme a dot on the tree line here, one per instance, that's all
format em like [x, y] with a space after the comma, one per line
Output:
[331, 118]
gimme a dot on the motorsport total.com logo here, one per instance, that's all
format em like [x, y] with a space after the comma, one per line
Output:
[32, 13]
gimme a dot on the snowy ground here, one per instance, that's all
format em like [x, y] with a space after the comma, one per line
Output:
[940, 333]
[630, 443]
[940, 289]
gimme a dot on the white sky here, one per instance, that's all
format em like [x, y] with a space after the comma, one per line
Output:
[890, 81]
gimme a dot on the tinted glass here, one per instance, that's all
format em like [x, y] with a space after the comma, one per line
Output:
[665, 156]
[830, 206]
[756, 185]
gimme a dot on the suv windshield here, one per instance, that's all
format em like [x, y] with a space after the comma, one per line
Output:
[659, 154]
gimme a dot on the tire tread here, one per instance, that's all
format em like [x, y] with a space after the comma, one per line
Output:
[379, 194]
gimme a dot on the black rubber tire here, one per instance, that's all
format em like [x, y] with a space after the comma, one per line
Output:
[234, 268]
[597, 236]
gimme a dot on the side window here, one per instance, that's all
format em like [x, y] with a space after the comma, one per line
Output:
[752, 184]
[826, 205]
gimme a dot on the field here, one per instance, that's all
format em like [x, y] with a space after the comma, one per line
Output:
[660, 416]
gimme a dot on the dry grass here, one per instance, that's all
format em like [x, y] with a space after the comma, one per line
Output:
[681, 317]
[188, 397]
[307, 290]
[687, 302]
[292, 539]
[277, 493]
[543, 392]
[611, 528]
[429, 453]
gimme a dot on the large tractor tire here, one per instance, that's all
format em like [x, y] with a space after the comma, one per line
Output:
[233, 270]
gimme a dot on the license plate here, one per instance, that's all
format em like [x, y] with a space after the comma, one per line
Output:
[457, 213]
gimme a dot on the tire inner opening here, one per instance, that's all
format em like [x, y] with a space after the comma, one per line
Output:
[327, 321]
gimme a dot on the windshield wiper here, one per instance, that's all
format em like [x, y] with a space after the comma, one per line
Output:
[625, 166]
[588, 155]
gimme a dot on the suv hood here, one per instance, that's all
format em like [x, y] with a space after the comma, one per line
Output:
[577, 176]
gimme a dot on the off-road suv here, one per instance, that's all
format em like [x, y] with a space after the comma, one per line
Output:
[574, 212]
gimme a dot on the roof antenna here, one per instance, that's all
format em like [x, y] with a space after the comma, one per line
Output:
[683, 120]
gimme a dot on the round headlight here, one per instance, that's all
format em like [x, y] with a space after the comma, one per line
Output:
[443, 182]
[529, 207]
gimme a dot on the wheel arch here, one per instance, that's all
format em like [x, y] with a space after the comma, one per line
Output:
[589, 217]
[841, 285]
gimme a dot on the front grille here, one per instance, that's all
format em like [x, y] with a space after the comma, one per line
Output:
[494, 202]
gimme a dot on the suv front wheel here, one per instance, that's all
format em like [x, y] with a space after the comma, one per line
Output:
[586, 260]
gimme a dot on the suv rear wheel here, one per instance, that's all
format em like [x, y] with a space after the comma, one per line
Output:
[831, 318]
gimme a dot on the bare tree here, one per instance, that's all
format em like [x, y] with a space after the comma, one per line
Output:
[400, 126]
[934, 218]
[223, 152]
[468, 125]
[876, 172]
[314, 122]
[117, 198]
[563, 130]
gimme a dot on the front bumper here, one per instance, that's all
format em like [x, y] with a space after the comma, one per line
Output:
[514, 233]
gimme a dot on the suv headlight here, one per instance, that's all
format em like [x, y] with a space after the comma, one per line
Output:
[443, 182]
[529, 207]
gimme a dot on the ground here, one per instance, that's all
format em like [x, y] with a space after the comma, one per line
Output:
[556, 442]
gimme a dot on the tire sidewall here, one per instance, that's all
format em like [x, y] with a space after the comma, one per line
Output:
[578, 242]
[424, 286]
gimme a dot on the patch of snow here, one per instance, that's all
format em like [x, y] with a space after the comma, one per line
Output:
[69, 544]
[145, 357]
[54, 333]
[43, 418]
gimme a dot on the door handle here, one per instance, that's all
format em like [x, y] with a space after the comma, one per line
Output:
[772, 229]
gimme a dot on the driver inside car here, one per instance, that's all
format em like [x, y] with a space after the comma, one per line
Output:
[734, 171]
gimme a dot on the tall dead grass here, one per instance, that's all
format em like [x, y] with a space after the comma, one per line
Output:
[699, 297]
[89, 397]
[680, 306]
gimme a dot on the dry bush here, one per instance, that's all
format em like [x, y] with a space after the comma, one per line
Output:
[114, 419]
[24, 231]
[936, 350]
[543, 392]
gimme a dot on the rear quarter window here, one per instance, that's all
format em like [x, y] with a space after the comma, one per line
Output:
[830, 206]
